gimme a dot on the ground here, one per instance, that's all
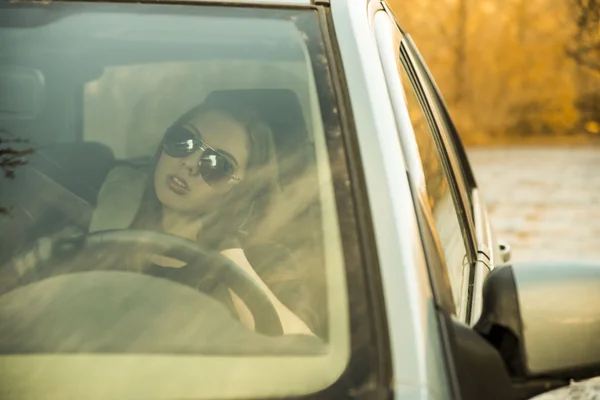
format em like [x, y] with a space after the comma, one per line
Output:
[545, 202]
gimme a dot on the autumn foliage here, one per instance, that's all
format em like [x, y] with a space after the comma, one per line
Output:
[513, 68]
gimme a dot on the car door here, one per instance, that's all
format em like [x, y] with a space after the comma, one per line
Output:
[435, 175]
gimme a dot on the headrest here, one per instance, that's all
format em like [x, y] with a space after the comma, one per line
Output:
[80, 167]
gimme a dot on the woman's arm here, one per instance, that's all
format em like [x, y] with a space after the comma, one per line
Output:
[290, 322]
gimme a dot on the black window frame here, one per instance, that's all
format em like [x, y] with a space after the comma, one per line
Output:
[462, 204]
[459, 152]
[453, 171]
[463, 172]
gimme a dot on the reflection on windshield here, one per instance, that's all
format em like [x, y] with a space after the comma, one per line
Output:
[13, 154]
[179, 200]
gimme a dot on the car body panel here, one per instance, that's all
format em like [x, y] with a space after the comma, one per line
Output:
[416, 346]
[388, 40]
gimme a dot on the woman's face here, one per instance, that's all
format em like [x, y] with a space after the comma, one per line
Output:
[178, 183]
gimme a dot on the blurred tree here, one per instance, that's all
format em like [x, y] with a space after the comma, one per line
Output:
[585, 47]
[501, 65]
[461, 51]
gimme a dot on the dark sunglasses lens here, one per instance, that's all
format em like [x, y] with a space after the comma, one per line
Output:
[215, 169]
[179, 142]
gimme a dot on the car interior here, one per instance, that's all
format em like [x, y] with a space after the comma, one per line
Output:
[76, 171]
[60, 181]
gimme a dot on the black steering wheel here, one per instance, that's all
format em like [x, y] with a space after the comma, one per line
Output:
[201, 265]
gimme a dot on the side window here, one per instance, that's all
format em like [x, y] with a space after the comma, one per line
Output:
[457, 147]
[439, 195]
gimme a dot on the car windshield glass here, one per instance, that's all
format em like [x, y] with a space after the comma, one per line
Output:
[168, 221]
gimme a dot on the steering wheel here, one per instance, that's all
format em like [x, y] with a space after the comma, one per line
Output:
[223, 270]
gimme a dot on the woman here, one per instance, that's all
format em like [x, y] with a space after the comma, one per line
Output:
[213, 166]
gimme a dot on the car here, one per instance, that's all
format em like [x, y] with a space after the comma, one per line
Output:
[391, 259]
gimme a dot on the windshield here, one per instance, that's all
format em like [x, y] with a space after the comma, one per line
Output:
[168, 222]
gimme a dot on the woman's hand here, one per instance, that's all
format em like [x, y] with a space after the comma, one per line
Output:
[290, 322]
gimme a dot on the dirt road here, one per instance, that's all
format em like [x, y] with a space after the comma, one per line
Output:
[546, 203]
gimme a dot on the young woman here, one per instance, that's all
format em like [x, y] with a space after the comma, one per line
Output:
[214, 165]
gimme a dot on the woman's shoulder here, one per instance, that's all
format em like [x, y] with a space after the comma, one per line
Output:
[119, 198]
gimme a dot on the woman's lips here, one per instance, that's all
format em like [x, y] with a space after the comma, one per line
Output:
[177, 184]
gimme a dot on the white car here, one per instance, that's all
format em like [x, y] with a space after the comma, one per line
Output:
[367, 270]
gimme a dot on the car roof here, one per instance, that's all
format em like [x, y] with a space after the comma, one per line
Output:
[359, 3]
[296, 3]
[262, 2]
[278, 2]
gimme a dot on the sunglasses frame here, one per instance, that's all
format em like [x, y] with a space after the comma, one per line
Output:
[199, 144]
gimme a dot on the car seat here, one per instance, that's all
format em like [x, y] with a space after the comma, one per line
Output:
[57, 187]
[80, 167]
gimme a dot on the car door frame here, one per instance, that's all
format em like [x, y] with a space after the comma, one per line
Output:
[415, 168]
[487, 254]
[486, 257]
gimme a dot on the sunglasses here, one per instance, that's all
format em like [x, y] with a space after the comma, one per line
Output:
[215, 168]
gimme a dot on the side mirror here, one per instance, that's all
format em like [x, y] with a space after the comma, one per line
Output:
[544, 320]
